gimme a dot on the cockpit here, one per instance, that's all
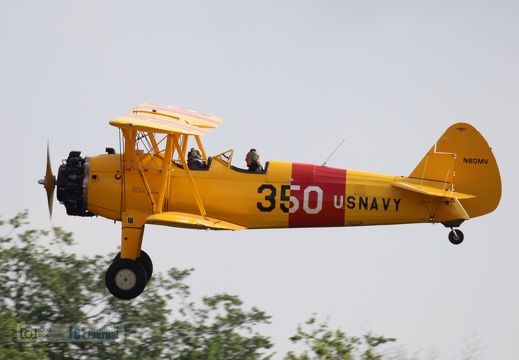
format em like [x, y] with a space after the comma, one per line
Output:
[224, 158]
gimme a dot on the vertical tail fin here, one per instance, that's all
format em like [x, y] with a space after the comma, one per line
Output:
[463, 160]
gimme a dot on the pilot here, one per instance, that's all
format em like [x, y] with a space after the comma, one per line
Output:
[253, 162]
[195, 160]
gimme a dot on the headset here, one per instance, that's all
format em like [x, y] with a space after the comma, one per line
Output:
[194, 153]
[253, 155]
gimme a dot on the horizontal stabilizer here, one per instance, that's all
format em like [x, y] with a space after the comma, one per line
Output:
[429, 190]
[191, 221]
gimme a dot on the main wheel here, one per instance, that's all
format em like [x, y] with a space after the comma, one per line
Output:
[145, 260]
[456, 237]
[146, 263]
[126, 279]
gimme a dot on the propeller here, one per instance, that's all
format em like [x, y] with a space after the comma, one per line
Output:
[49, 182]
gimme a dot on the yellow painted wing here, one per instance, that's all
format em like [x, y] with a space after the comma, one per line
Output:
[167, 119]
[185, 115]
[429, 190]
[191, 221]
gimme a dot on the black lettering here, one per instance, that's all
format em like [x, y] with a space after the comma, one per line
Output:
[363, 202]
[397, 202]
[475, 161]
[285, 197]
[386, 203]
[374, 204]
[351, 202]
[270, 198]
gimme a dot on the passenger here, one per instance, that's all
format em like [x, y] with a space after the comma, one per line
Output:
[253, 162]
[195, 160]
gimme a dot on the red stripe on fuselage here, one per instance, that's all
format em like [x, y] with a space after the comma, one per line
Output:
[320, 195]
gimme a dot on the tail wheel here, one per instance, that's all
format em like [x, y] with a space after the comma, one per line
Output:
[456, 237]
[126, 279]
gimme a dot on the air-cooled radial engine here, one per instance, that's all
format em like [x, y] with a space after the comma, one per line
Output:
[72, 184]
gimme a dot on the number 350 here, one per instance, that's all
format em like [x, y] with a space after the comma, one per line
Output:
[290, 204]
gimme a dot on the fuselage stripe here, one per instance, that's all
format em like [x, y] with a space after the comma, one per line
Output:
[318, 196]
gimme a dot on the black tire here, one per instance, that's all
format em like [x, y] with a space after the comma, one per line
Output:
[145, 261]
[126, 279]
[456, 237]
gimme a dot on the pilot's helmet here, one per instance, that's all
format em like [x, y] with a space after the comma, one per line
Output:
[253, 155]
[194, 153]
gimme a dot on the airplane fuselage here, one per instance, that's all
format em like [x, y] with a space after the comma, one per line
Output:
[287, 195]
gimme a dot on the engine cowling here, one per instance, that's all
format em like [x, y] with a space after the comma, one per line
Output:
[72, 184]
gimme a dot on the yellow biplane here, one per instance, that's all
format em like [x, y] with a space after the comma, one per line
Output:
[150, 182]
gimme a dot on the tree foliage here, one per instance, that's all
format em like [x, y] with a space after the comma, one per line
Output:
[42, 282]
[326, 344]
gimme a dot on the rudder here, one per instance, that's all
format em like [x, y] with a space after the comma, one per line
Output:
[463, 161]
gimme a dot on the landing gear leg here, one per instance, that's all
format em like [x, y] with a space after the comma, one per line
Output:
[131, 269]
[456, 236]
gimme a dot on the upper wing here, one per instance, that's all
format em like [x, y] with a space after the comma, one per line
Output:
[167, 119]
[191, 221]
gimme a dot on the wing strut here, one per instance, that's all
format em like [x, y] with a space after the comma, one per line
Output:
[131, 157]
[199, 143]
[146, 185]
[164, 184]
[188, 173]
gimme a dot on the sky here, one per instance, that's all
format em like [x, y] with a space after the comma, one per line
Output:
[292, 79]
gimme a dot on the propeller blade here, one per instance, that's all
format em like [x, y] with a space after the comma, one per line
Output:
[49, 182]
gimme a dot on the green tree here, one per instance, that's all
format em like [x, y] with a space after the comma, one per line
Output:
[326, 344]
[215, 331]
[43, 282]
